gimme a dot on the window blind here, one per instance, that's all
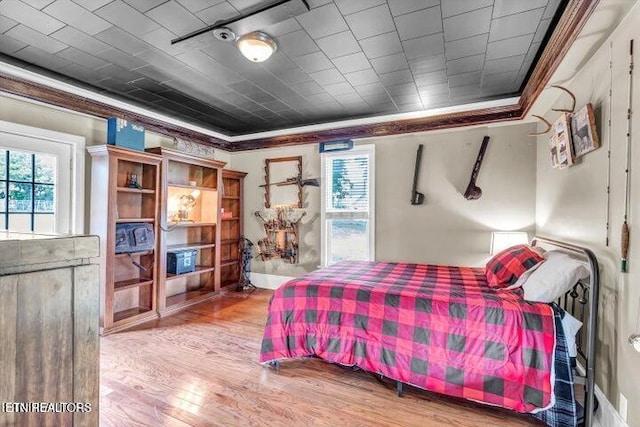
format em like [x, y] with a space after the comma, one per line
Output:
[348, 183]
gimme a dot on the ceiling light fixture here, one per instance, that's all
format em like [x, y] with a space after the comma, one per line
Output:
[257, 46]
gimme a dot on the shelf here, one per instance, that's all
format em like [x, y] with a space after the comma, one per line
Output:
[200, 269]
[229, 262]
[125, 314]
[229, 241]
[188, 246]
[126, 254]
[132, 283]
[188, 296]
[136, 190]
[130, 220]
[192, 187]
[228, 283]
[194, 224]
[230, 197]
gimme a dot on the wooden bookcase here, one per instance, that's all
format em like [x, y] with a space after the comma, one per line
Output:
[231, 228]
[128, 292]
[181, 196]
[196, 228]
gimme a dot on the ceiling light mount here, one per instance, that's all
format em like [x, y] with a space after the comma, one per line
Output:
[224, 34]
[254, 19]
[257, 46]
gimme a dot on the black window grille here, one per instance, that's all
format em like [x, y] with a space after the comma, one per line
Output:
[27, 187]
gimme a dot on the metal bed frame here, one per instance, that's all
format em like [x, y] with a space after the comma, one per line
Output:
[582, 303]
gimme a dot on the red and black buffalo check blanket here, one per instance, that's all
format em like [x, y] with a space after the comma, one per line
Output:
[439, 328]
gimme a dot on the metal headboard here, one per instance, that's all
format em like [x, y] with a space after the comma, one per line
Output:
[582, 303]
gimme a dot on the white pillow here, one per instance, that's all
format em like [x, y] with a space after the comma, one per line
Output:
[554, 277]
[571, 327]
[523, 278]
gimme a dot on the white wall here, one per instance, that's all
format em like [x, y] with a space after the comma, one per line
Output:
[446, 229]
[572, 204]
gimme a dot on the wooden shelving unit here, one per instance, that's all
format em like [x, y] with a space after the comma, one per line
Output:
[128, 293]
[182, 197]
[197, 180]
[231, 228]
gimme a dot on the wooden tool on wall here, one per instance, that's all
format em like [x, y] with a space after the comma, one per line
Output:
[474, 192]
[417, 198]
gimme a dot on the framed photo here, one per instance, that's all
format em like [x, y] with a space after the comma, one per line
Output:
[553, 149]
[583, 131]
[561, 141]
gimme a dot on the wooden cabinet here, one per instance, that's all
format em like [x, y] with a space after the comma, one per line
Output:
[49, 344]
[189, 216]
[231, 227]
[125, 189]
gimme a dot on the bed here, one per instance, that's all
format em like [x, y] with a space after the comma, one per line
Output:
[442, 329]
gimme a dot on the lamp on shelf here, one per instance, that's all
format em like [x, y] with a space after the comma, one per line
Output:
[501, 240]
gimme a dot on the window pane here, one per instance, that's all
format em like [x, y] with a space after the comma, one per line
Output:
[20, 222]
[44, 223]
[44, 198]
[349, 183]
[3, 196]
[19, 197]
[20, 166]
[45, 168]
[349, 240]
[3, 164]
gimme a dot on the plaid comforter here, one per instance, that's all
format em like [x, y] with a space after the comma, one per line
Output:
[439, 328]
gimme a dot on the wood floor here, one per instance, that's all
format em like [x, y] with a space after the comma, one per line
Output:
[199, 368]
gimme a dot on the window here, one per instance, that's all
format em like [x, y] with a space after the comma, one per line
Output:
[41, 180]
[348, 205]
[27, 191]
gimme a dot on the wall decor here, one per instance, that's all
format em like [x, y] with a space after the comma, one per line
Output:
[561, 139]
[553, 149]
[417, 198]
[474, 192]
[191, 147]
[583, 131]
[327, 147]
[283, 210]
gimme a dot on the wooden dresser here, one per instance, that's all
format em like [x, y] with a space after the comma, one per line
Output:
[49, 312]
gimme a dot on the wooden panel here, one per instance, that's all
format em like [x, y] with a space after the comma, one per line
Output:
[86, 302]
[44, 344]
[8, 330]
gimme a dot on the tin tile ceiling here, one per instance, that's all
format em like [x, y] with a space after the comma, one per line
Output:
[343, 59]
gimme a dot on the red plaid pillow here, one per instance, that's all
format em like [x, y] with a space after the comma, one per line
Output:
[506, 267]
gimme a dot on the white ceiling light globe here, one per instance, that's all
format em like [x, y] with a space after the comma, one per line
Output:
[257, 46]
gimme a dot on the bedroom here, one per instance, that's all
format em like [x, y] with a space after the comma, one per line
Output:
[182, 372]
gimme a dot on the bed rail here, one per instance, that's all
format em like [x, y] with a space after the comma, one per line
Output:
[582, 303]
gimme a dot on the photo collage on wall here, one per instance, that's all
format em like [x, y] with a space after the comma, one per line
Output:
[572, 136]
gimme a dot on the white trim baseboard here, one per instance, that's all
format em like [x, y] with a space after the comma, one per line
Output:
[268, 281]
[607, 415]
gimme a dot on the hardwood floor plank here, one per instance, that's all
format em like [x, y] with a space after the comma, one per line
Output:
[200, 368]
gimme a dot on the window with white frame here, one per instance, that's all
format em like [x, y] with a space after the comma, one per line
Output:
[348, 226]
[41, 180]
